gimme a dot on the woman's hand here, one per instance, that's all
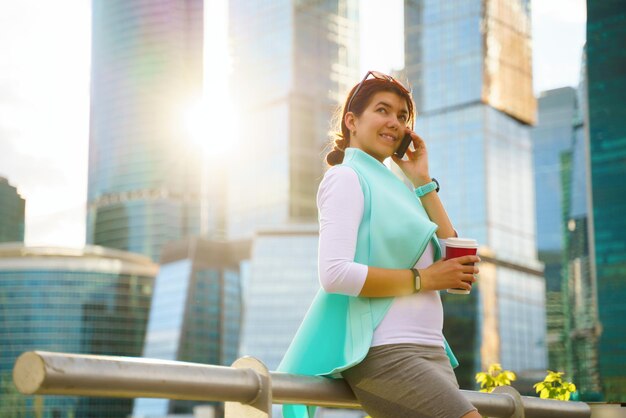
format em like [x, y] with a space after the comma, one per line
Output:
[449, 274]
[416, 167]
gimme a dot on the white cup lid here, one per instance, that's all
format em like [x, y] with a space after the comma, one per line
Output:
[462, 242]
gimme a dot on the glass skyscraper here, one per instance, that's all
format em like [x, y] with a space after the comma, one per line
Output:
[12, 209]
[579, 303]
[90, 301]
[144, 171]
[606, 61]
[469, 65]
[554, 133]
[282, 283]
[196, 311]
[293, 61]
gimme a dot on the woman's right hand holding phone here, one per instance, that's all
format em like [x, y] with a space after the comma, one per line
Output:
[449, 274]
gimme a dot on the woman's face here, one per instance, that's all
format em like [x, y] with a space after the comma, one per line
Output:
[381, 127]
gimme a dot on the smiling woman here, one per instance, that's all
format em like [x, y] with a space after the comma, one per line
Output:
[380, 268]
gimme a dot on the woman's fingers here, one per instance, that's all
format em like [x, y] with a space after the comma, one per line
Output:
[470, 269]
[466, 259]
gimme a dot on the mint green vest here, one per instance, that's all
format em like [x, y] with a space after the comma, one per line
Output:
[337, 331]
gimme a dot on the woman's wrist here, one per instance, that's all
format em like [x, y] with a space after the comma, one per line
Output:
[421, 180]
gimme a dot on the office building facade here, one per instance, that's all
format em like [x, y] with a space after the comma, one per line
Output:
[196, 312]
[606, 79]
[581, 327]
[144, 171]
[283, 279]
[554, 134]
[469, 65]
[282, 283]
[89, 301]
[12, 212]
[293, 62]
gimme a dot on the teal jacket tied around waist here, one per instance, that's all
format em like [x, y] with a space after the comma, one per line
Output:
[337, 331]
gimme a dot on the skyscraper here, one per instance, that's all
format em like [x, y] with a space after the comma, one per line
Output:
[553, 135]
[195, 313]
[144, 173]
[469, 65]
[606, 60]
[89, 301]
[581, 328]
[293, 62]
[283, 283]
[12, 208]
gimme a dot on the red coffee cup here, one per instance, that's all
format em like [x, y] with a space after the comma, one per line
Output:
[458, 247]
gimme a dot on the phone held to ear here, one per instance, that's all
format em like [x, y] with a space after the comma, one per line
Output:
[404, 145]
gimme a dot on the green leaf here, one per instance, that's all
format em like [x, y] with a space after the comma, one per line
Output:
[495, 367]
[510, 375]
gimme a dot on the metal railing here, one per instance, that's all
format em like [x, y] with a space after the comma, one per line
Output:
[248, 387]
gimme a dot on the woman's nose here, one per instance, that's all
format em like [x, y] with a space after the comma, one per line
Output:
[394, 122]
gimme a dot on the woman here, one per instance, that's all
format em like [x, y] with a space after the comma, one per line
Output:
[378, 320]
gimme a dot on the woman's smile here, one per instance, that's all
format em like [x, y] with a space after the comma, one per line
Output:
[388, 138]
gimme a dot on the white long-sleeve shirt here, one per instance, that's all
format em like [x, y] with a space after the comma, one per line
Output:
[417, 318]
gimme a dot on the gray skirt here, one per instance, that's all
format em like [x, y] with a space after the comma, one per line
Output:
[407, 380]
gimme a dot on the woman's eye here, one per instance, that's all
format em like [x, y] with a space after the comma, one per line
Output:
[382, 110]
[402, 118]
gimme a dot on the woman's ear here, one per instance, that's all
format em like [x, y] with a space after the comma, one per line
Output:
[350, 120]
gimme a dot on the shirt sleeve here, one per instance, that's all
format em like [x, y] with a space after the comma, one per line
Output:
[340, 204]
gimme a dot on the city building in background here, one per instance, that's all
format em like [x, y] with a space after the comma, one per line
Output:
[554, 134]
[144, 171]
[283, 279]
[580, 329]
[196, 312]
[469, 64]
[282, 284]
[293, 62]
[606, 78]
[12, 209]
[89, 301]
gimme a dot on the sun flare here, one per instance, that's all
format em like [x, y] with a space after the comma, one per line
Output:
[209, 121]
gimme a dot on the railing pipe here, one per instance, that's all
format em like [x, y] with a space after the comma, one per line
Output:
[39, 372]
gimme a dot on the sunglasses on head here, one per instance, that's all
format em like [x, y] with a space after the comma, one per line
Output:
[380, 76]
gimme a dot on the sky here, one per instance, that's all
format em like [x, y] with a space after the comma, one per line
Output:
[44, 93]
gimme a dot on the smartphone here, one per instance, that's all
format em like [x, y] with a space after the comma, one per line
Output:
[404, 145]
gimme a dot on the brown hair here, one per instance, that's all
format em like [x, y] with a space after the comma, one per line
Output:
[340, 139]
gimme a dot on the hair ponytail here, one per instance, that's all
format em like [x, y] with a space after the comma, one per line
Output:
[335, 156]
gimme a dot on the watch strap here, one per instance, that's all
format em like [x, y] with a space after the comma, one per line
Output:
[417, 279]
[426, 188]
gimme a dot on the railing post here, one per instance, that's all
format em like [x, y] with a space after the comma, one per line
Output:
[261, 405]
[517, 400]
